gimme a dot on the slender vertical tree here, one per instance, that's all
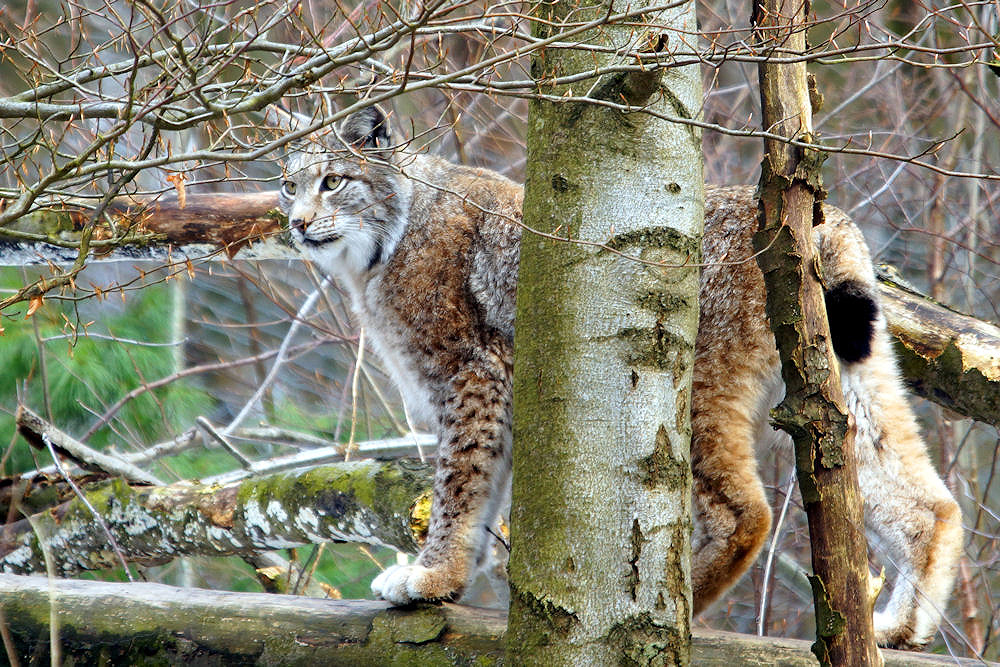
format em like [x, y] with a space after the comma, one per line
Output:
[604, 345]
[813, 411]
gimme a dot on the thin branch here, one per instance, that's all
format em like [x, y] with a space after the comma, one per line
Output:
[42, 435]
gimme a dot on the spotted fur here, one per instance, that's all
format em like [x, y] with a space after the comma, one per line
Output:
[427, 252]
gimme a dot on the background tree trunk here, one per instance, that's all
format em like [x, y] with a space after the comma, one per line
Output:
[600, 521]
[813, 410]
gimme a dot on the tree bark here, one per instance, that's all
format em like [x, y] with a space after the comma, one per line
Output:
[600, 522]
[228, 220]
[946, 357]
[367, 501]
[142, 623]
[813, 410]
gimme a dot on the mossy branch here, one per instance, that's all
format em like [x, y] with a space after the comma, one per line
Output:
[363, 501]
[945, 356]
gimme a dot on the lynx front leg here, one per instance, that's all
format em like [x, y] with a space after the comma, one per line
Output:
[469, 487]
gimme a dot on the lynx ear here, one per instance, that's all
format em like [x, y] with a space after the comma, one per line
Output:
[279, 118]
[367, 129]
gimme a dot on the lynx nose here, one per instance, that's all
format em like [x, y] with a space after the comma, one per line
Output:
[300, 220]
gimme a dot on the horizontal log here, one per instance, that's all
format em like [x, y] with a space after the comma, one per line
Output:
[229, 220]
[156, 229]
[115, 624]
[112, 623]
[223, 219]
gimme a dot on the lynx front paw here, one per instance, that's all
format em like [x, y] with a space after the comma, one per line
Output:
[403, 584]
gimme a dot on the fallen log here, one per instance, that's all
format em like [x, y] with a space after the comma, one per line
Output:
[112, 623]
[228, 220]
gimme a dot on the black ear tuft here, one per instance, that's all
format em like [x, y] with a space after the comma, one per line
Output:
[367, 129]
[851, 310]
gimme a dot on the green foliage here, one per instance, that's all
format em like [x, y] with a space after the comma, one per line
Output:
[79, 370]
[300, 416]
[76, 371]
[349, 569]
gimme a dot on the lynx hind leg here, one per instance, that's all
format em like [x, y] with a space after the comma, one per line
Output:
[913, 523]
[732, 515]
[473, 471]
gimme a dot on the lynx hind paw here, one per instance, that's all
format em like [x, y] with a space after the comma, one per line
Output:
[405, 584]
[890, 634]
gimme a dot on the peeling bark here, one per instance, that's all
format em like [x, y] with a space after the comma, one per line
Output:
[223, 219]
[813, 410]
[141, 623]
[364, 501]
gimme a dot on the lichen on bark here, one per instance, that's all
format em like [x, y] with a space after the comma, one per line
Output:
[360, 501]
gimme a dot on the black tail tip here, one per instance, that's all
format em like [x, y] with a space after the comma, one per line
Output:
[851, 310]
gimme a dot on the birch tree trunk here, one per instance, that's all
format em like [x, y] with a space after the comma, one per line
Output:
[599, 568]
[813, 410]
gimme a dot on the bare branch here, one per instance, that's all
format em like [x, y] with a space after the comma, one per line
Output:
[40, 434]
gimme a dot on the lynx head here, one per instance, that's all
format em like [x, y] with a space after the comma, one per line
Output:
[345, 199]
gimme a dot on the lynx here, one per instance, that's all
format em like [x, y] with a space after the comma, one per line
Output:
[427, 252]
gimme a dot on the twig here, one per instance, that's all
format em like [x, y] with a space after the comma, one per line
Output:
[83, 498]
[193, 370]
[770, 554]
[283, 436]
[40, 434]
[8, 641]
[228, 446]
[351, 445]
[376, 449]
[280, 359]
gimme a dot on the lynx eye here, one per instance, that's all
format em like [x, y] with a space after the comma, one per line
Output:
[288, 187]
[333, 182]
